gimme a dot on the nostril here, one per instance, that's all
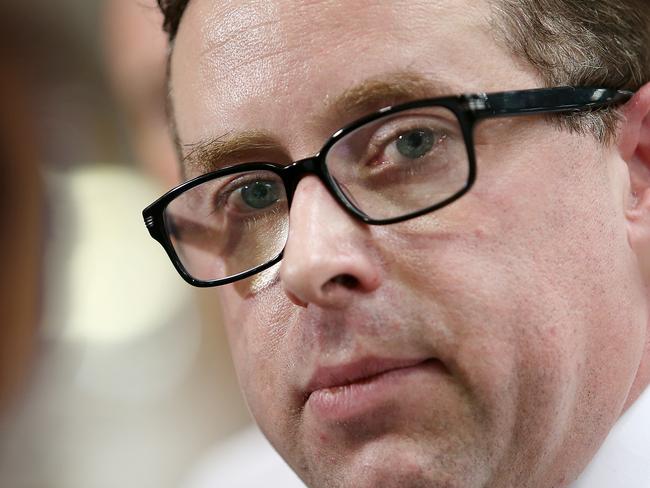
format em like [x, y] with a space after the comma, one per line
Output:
[345, 280]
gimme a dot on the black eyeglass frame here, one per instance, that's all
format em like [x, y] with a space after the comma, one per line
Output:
[469, 109]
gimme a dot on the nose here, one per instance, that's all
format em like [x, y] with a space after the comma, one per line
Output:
[329, 258]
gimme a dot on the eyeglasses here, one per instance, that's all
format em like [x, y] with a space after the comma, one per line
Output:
[396, 164]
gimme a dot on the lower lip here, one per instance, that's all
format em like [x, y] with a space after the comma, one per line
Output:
[358, 399]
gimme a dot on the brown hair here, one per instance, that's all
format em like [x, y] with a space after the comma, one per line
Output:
[580, 43]
[569, 42]
[173, 12]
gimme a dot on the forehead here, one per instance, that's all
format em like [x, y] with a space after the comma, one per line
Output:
[246, 65]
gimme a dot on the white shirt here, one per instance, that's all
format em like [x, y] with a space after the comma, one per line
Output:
[249, 461]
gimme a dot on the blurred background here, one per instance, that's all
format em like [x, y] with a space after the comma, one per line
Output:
[113, 371]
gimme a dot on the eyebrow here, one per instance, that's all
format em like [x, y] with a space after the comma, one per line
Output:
[376, 93]
[359, 100]
[227, 150]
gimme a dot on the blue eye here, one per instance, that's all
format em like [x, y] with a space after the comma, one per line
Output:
[260, 194]
[416, 143]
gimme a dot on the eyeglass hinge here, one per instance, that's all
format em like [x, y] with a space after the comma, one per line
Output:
[149, 222]
[477, 102]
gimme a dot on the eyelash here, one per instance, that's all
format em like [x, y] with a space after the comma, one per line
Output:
[378, 144]
[223, 193]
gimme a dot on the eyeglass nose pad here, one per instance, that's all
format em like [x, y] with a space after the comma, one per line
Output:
[298, 170]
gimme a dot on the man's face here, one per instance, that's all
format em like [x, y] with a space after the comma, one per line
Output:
[506, 327]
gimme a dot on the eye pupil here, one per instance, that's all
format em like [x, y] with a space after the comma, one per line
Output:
[415, 144]
[260, 194]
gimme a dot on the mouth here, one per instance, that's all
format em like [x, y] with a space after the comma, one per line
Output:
[346, 391]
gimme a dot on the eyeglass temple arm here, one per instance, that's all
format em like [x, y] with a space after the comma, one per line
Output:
[545, 100]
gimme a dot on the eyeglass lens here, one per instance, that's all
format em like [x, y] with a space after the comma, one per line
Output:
[229, 225]
[402, 163]
[388, 168]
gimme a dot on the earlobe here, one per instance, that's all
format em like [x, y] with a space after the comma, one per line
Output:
[634, 148]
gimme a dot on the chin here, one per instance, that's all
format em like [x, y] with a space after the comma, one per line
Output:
[395, 463]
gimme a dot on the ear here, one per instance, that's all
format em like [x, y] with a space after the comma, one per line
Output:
[634, 148]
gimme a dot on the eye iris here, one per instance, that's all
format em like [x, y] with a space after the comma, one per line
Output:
[260, 194]
[415, 144]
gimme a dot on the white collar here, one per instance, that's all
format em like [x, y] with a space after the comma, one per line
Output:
[623, 460]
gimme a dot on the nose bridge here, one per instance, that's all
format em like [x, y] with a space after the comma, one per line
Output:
[314, 213]
[297, 171]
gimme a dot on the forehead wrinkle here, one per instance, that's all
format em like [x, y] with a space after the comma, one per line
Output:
[238, 36]
[219, 152]
[224, 24]
[223, 37]
[250, 52]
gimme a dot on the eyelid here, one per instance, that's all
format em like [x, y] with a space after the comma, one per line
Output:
[236, 184]
[221, 194]
[388, 132]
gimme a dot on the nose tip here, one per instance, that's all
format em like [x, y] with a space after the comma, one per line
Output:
[329, 283]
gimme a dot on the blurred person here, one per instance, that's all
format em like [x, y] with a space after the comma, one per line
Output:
[451, 290]
[136, 53]
[22, 232]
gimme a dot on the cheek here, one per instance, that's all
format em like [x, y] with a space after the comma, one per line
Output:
[243, 337]
[257, 327]
[531, 272]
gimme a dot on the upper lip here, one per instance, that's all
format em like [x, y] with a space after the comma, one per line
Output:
[358, 370]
